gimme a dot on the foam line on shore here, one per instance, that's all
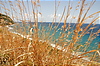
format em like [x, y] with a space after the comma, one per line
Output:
[53, 45]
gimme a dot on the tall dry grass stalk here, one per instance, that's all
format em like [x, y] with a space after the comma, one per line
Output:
[17, 50]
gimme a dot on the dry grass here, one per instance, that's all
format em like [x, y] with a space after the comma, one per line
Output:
[16, 50]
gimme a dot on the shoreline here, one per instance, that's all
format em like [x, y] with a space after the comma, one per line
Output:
[52, 45]
[76, 54]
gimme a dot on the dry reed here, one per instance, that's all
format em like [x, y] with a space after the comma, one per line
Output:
[17, 50]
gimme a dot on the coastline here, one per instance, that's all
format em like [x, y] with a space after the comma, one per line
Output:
[52, 45]
[76, 54]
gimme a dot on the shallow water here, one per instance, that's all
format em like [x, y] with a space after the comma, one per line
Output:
[46, 29]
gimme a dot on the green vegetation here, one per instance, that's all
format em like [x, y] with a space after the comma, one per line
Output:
[5, 20]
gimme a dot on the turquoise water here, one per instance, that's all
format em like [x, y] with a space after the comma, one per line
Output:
[46, 30]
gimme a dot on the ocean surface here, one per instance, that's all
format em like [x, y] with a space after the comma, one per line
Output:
[48, 30]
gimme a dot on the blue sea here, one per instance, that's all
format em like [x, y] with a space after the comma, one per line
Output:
[53, 31]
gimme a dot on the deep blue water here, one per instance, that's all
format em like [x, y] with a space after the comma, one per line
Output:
[53, 29]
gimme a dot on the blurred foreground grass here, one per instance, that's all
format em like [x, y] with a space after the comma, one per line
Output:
[16, 50]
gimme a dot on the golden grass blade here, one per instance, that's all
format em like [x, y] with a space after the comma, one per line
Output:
[98, 52]
[63, 14]
[19, 63]
[92, 15]
[66, 17]
[83, 32]
[87, 10]
[7, 50]
[24, 54]
[88, 52]
[81, 11]
[76, 58]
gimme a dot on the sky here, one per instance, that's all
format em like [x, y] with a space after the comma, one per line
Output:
[47, 8]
